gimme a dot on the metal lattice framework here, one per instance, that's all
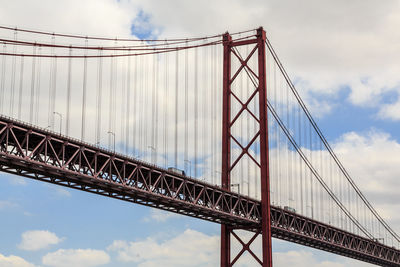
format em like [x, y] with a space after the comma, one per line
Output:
[228, 140]
[57, 159]
[42, 155]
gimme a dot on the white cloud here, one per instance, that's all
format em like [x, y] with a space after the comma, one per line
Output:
[302, 258]
[326, 44]
[160, 215]
[38, 239]
[373, 161]
[13, 179]
[5, 204]
[390, 111]
[76, 258]
[192, 248]
[178, 251]
[62, 192]
[72, 16]
[14, 261]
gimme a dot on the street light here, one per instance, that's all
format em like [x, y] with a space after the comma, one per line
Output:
[190, 166]
[59, 114]
[379, 239]
[218, 174]
[113, 134]
[238, 186]
[153, 152]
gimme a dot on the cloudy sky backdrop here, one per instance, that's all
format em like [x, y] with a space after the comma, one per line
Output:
[344, 59]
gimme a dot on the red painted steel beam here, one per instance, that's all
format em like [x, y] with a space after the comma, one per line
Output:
[225, 256]
[262, 134]
[45, 156]
[245, 42]
[265, 181]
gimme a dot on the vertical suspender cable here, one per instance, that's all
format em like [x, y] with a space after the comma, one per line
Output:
[248, 125]
[32, 97]
[141, 104]
[12, 87]
[276, 158]
[241, 127]
[215, 105]
[156, 126]
[3, 78]
[21, 85]
[166, 85]
[114, 91]
[280, 106]
[50, 115]
[145, 105]
[153, 113]
[128, 107]
[349, 205]
[311, 175]
[123, 100]
[289, 154]
[135, 130]
[333, 189]
[110, 103]
[321, 200]
[196, 107]
[204, 112]
[295, 167]
[211, 112]
[83, 120]
[219, 115]
[37, 96]
[176, 110]
[99, 97]
[300, 161]
[68, 112]
[54, 88]
[186, 159]
[212, 118]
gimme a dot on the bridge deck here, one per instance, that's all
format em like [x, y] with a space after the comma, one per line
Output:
[39, 154]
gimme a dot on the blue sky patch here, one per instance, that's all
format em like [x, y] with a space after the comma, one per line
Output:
[142, 26]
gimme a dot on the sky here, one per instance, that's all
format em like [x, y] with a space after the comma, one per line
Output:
[343, 57]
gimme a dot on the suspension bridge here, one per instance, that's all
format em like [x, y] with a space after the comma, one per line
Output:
[208, 127]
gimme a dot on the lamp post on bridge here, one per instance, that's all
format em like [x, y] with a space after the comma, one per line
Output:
[113, 134]
[153, 154]
[238, 186]
[217, 173]
[59, 114]
[190, 166]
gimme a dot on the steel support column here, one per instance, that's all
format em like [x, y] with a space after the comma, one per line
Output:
[262, 134]
[265, 183]
[226, 147]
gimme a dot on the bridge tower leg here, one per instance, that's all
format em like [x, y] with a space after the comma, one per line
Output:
[259, 76]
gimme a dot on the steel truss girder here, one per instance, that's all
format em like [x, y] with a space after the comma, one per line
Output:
[302, 230]
[42, 155]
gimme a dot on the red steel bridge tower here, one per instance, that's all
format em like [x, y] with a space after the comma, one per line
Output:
[258, 77]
